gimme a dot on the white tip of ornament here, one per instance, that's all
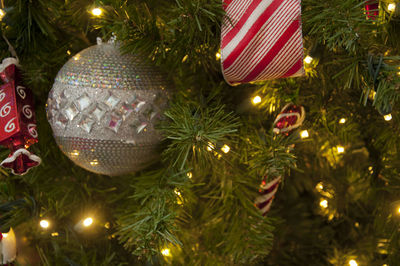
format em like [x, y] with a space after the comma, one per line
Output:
[99, 41]
[8, 248]
[8, 62]
[113, 39]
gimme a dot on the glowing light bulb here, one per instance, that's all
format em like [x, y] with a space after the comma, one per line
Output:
[342, 121]
[189, 175]
[76, 57]
[177, 192]
[340, 149]
[44, 224]
[218, 55]
[388, 117]
[210, 146]
[353, 263]
[54, 234]
[323, 204]
[88, 221]
[304, 134]
[94, 162]
[166, 252]
[391, 7]
[398, 210]
[308, 59]
[225, 148]
[319, 186]
[2, 14]
[97, 11]
[256, 100]
[75, 153]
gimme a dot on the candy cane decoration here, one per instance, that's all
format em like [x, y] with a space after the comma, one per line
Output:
[261, 40]
[267, 191]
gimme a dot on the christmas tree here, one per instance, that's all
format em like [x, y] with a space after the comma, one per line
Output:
[334, 178]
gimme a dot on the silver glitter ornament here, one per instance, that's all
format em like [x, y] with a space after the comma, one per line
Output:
[103, 107]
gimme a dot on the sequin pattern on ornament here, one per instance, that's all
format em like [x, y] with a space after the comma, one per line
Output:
[103, 108]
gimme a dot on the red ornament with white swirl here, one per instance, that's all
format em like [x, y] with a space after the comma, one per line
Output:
[17, 119]
[290, 118]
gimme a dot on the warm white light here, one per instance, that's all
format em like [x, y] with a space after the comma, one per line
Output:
[308, 59]
[392, 7]
[319, 186]
[323, 204]
[304, 134]
[218, 55]
[88, 221]
[225, 148]
[210, 146]
[189, 175]
[388, 117]
[256, 100]
[76, 57]
[94, 162]
[177, 192]
[96, 11]
[44, 224]
[4, 235]
[340, 149]
[2, 14]
[353, 263]
[398, 210]
[75, 153]
[166, 252]
[54, 234]
[342, 121]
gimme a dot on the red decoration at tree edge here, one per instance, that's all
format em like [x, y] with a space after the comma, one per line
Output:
[267, 194]
[291, 117]
[372, 9]
[17, 119]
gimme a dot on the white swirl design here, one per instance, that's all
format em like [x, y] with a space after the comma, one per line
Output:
[5, 110]
[2, 95]
[21, 92]
[10, 126]
[26, 110]
[32, 130]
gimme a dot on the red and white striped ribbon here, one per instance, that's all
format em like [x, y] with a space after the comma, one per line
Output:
[267, 191]
[261, 40]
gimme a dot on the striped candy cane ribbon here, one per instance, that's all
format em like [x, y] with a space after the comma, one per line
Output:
[267, 191]
[261, 40]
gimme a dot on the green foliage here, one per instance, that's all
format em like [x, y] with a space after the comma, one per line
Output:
[198, 201]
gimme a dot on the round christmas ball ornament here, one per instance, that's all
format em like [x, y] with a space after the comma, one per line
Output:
[103, 107]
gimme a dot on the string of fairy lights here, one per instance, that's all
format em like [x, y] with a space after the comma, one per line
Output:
[326, 192]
